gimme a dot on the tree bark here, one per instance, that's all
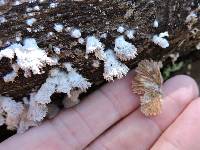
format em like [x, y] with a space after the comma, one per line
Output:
[94, 17]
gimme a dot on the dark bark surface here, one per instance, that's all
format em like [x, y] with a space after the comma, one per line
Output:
[95, 18]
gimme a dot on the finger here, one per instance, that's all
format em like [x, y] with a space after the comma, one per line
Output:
[78, 126]
[139, 132]
[184, 132]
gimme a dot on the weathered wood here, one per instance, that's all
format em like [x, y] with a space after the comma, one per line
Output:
[95, 17]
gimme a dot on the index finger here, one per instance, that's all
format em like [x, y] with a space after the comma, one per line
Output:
[78, 126]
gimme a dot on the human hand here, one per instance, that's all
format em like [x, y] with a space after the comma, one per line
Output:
[110, 118]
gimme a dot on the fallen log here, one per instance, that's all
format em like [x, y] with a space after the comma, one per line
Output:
[88, 37]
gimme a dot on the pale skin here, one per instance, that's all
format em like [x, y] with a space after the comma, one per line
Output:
[110, 119]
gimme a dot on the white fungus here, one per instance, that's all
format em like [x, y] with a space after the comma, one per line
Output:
[76, 80]
[93, 45]
[29, 56]
[198, 46]
[8, 52]
[53, 5]
[25, 122]
[61, 82]
[2, 120]
[12, 111]
[36, 8]
[81, 40]
[17, 3]
[56, 50]
[10, 77]
[30, 21]
[29, 9]
[18, 38]
[75, 33]
[120, 29]
[160, 40]
[21, 116]
[36, 111]
[2, 19]
[164, 34]
[29, 29]
[155, 24]
[130, 34]
[124, 50]
[58, 27]
[104, 35]
[113, 67]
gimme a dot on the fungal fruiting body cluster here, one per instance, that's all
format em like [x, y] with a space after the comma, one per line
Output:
[124, 50]
[21, 116]
[30, 57]
[58, 82]
[113, 68]
[161, 40]
[147, 83]
[63, 78]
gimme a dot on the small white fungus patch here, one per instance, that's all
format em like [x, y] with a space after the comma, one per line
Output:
[26, 122]
[155, 24]
[2, 19]
[120, 29]
[30, 21]
[61, 82]
[29, 9]
[17, 3]
[29, 29]
[17, 38]
[124, 50]
[160, 40]
[75, 33]
[130, 34]
[164, 34]
[36, 111]
[29, 56]
[53, 5]
[104, 35]
[36, 8]
[113, 67]
[198, 46]
[93, 45]
[56, 50]
[81, 40]
[10, 77]
[58, 27]
[12, 111]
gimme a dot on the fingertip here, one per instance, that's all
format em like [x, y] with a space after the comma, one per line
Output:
[188, 124]
[185, 87]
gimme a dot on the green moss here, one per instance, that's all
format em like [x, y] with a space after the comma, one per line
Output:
[171, 69]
